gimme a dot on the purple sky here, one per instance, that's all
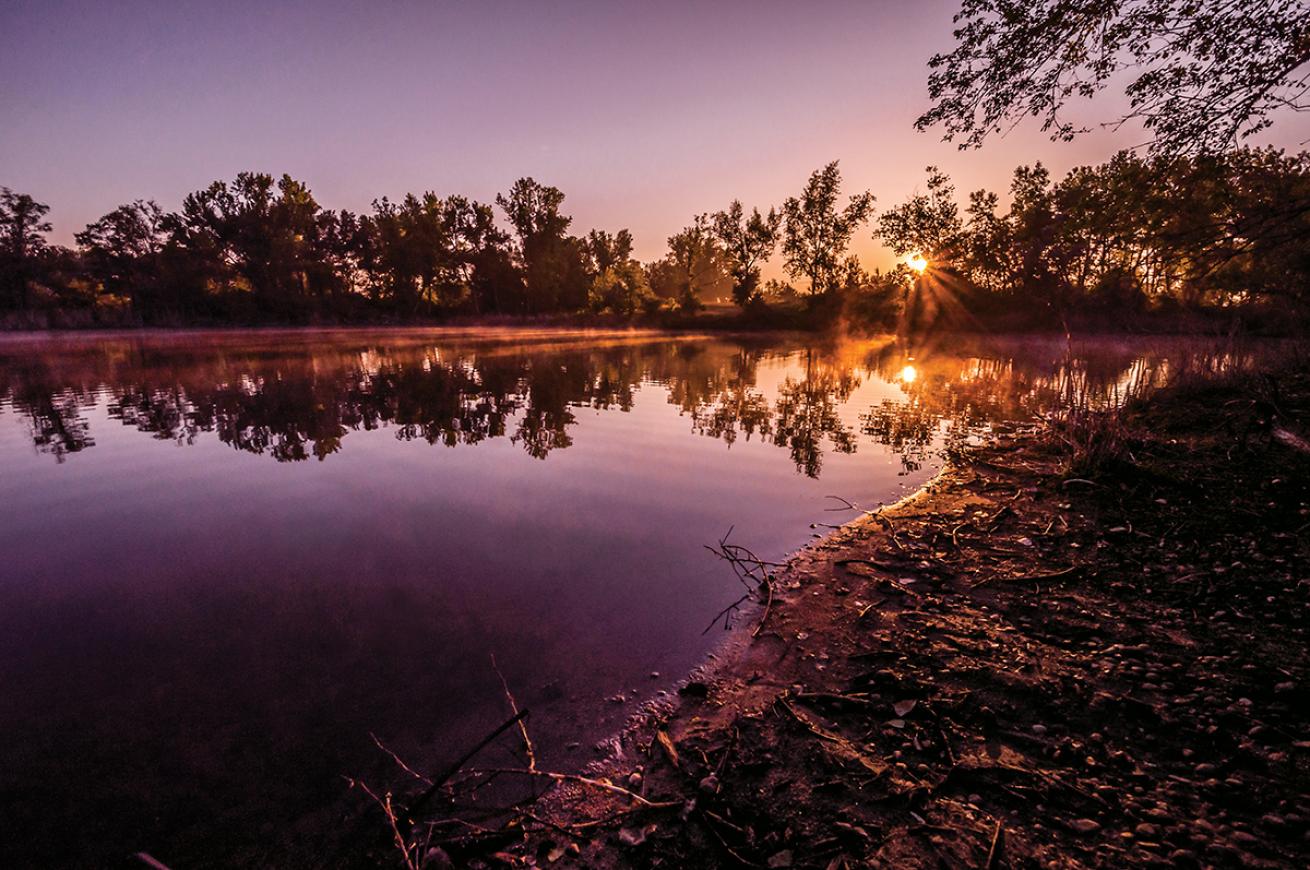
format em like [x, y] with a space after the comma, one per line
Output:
[643, 113]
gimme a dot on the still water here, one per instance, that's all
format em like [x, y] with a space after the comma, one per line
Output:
[229, 560]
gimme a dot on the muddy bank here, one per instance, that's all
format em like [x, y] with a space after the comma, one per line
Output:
[1015, 668]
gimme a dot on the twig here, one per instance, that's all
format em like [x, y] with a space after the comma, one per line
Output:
[751, 570]
[1036, 578]
[396, 758]
[390, 812]
[993, 852]
[583, 780]
[437, 783]
[514, 708]
[848, 505]
[150, 861]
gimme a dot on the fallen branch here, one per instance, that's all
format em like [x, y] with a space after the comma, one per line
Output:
[437, 783]
[396, 758]
[752, 571]
[514, 708]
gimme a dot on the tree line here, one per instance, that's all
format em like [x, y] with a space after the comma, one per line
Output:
[1131, 235]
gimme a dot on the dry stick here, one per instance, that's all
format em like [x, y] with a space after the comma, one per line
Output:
[464, 759]
[993, 852]
[740, 558]
[396, 758]
[849, 506]
[150, 861]
[724, 613]
[389, 811]
[514, 708]
[582, 780]
[1056, 575]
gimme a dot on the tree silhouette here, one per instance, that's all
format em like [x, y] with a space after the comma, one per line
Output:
[746, 243]
[817, 233]
[1202, 75]
[122, 252]
[553, 262]
[22, 243]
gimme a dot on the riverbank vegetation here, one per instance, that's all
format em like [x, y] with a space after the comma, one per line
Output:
[1185, 242]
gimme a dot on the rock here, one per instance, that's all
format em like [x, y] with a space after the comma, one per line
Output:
[781, 859]
[1039, 729]
[709, 785]
[1085, 826]
[1183, 858]
[904, 708]
[694, 689]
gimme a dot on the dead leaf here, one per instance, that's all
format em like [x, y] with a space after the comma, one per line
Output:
[666, 742]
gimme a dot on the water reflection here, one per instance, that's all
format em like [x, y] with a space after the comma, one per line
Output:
[197, 641]
[301, 399]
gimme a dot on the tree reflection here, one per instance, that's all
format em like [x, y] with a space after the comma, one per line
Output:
[303, 400]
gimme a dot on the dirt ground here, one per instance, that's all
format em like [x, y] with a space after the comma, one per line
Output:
[1014, 668]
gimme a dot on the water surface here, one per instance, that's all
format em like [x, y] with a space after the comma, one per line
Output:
[227, 560]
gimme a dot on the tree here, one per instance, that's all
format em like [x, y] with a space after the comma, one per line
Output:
[256, 237]
[122, 250]
[22, 244]
[481, 255]
[746, 243]
[411, 251]
[618, 282]
[695, 262]
[622, 288]
[604, 251]
[1202, 75]
[927, 224]
[554, 267]
[817, 234]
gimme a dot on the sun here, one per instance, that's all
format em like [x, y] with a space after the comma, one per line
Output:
[908, 374]
[917, 262]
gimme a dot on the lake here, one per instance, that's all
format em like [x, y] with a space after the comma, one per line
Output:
[231, 560]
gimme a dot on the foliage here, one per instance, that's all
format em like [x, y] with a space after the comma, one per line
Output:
[695, 266]
[1132, 235]
[817, 234]
[22, 244]
[1202, 75]
[746, 243]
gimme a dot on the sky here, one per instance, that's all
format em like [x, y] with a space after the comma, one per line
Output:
[642, 113]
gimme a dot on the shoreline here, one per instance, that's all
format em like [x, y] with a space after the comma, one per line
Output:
[1012, 666]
